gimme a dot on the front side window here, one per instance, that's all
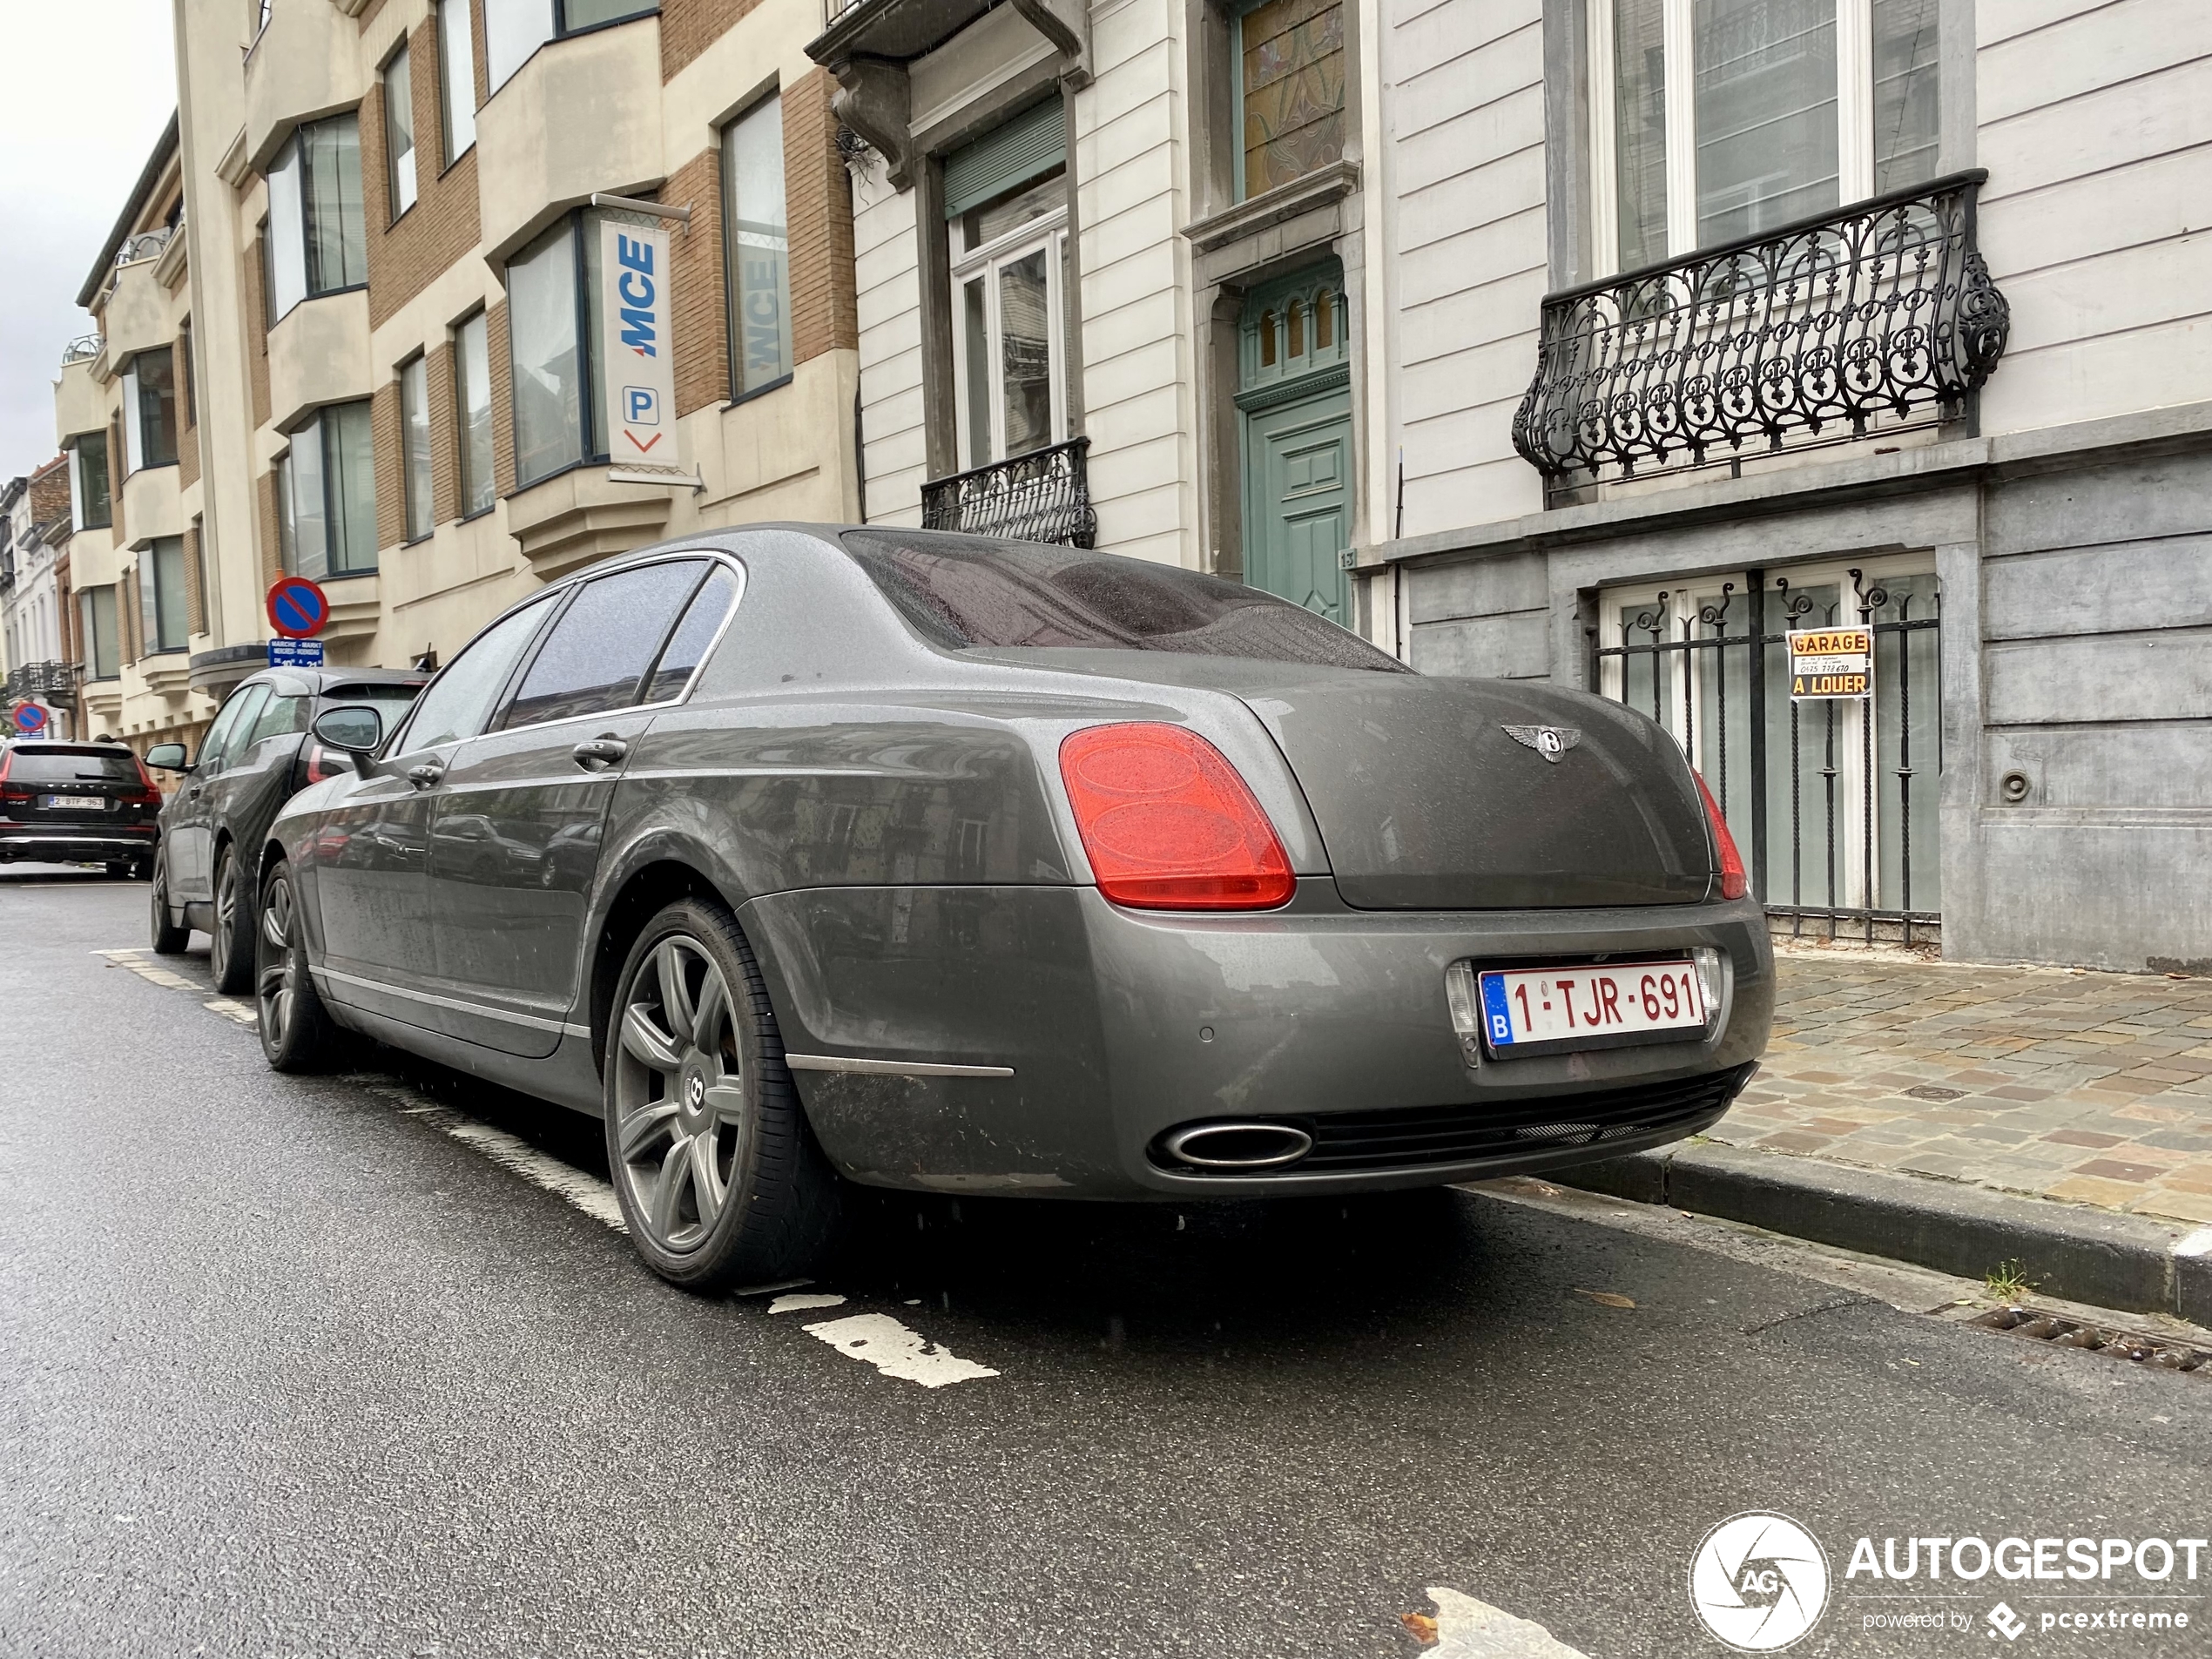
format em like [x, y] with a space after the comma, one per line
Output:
[89, 504]
[231, 722]
[415, 438]
[595, 659]
[96, 616]
[149, 410]
[317, 240]
[326, 495]
[1290, 102]
[1726, 119]
[515, 29]
[398, 131]
[472, 414]
[458, 702]
[161, 594]
[552, 294]
[756, 247]
[1008, 351]
[456, 76]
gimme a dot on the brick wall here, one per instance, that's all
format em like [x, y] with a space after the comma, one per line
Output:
[406, 256]
[195, 596]
[819, 195]
[689, 27]
[271, 541]
[699, 319]
[445, 436]
[503, 398]
[126, 620]
[391, 482]
[49, 496]
[187, 451]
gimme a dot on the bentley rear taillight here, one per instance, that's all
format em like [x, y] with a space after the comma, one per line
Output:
[1167, 822]
[1733, 882]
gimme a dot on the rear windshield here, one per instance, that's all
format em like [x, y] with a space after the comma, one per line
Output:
[385, 696]
[964, 592]
[72, 766]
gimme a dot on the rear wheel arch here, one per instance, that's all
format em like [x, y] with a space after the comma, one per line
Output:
[643, 894]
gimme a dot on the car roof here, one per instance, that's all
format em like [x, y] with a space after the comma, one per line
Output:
[298, 681]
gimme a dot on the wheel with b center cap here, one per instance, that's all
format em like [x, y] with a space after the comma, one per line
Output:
[229, 941]
[296, 1033]
[718, 1176]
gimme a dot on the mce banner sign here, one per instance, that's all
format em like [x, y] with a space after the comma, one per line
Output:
[1826, 663]
[635, 313]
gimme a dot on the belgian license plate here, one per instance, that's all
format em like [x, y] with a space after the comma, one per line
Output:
[1539, 1010]
[77, 803]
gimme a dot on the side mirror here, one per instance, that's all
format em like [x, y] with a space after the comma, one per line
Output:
[355, 730]
[168, 757]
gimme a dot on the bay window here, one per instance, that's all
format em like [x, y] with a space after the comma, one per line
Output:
[398, 131]
[326, 495]
[515, 29]
[161, 595]
[90, 508]
[414, 448]
[553, 334]
[456, 76]
[472, 414]
[756, 247]
[149, 410]
[1718, 119]
[317, 241]
[95, 618]
[1006, 197]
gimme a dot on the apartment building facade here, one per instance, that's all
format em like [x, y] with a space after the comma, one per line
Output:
[35, 648]
[1714, 320]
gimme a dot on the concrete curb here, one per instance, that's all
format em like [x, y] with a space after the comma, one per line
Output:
[2130, 1263]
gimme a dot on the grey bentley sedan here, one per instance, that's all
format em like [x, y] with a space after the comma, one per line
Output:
[807, 855]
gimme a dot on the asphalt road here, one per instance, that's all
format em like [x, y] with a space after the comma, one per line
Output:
[321, 1367]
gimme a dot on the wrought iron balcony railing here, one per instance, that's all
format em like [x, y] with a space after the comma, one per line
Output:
[1802, 334]
[42, 679]
[1042, 496]
[82, 349]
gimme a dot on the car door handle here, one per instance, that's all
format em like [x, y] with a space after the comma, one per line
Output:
[599, 751]
[426, 774]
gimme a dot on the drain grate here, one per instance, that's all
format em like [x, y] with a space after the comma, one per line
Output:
[2163, 1353]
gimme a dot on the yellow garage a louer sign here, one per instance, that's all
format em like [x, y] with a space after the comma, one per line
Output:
[1830, 662]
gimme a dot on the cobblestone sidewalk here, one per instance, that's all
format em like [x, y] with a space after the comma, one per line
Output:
[2095, 1088]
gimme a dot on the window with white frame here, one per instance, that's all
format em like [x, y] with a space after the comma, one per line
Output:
[456, 76]
[90, 507]
[317, 241]
[326, 495]
[515, 29]
[95, 623]
[1716, 119]
[414, 447]
[399, 131]
[472, 415]
[149, 410]
[161, 595]
[1009, 359]
[757, 247]
[553, 338]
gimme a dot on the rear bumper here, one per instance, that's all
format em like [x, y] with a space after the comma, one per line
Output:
[1117, 1027]
[60, 845]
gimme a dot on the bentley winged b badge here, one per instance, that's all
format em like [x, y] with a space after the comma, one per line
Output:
[1549, 741]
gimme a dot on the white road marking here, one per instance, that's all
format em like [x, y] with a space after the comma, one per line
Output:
[801, 1304]
[1467, 1628]
[587, 1193]
[897, 1351]
[237, 1011]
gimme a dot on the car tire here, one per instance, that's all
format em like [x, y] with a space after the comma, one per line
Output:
[719, 1174]
[170, 936]
[230, 950]
[296, 1030]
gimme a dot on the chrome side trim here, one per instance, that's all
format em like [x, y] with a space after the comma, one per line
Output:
[890, 1068]
[453, 1002]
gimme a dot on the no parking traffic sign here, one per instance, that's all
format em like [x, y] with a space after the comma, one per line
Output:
[30, 718]
[298, 607]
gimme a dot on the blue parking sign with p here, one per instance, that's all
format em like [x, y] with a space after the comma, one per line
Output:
[640, 405]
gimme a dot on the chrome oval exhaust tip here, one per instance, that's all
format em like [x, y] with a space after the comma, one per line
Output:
[1237, 1146]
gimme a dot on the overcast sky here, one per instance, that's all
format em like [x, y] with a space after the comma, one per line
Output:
[90, 85]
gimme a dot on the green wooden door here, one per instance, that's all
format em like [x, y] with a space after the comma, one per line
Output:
[1297, 500]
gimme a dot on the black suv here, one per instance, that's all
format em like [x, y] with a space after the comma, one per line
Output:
[256, 755]
[77, 803]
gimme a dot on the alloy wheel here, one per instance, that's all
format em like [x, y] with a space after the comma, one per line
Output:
[226, 916]
[679, 1093]
[272, 986]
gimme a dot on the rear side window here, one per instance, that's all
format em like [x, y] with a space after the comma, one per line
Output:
[597, 653]
[687, 645]
[965, 592]
[226, 739]
[458, 702]
[280, 716]
[389, 699]
[70, 766]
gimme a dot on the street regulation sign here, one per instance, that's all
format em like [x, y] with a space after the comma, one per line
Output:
[298, 607]
[296, 653]
[1826, 663]
[635, 311]
[30, 718]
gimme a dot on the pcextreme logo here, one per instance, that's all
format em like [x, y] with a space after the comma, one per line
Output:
[1759, 1581]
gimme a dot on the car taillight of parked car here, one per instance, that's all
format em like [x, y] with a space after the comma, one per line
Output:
[11, 795]
[1167, 822]
[322, 761]
[148, 793]
[1734, 884]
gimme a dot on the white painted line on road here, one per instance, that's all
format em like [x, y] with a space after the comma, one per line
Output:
[1468, 1628]
[801, 1304]
[237, 1011]
[2196, 1243]
[897, 1351]
[587, 1193]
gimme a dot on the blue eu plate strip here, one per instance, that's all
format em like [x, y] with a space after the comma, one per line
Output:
[1494, 1017]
